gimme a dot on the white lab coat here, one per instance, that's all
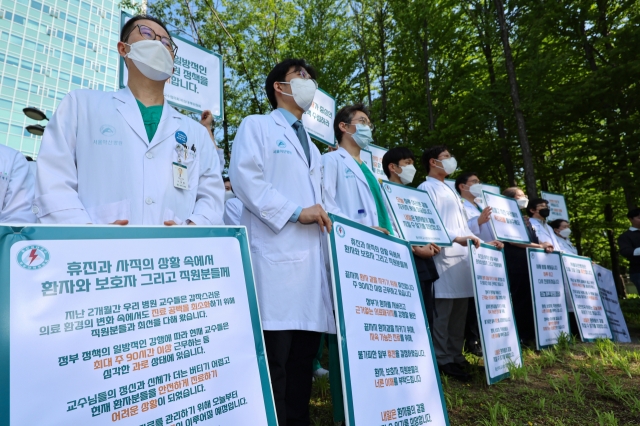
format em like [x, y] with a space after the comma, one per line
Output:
[452, 262]
[345, 189]
[545, 233]
[16, 187]
[96, 165]
[484, 231]
[566, 246]
[233, 211]
[271, 176]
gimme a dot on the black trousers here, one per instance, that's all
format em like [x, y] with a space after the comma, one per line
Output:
[428, 297]
[290, 354]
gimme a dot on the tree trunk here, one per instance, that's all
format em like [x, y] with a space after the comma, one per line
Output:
[613, 252]
[382, 40]
[529, 173]
[427, 79]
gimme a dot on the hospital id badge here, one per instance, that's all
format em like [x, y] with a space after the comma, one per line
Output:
[180, 176]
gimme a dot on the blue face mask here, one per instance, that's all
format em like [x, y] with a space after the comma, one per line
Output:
[362, 136]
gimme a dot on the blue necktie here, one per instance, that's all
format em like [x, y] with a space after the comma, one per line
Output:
[302, 137]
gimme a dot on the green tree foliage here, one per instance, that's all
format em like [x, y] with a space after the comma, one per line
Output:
[433, 72]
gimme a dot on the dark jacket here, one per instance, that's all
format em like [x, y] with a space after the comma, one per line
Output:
[628, 242]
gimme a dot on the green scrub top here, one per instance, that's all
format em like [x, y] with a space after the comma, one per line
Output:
[374, 186]
[150, 117]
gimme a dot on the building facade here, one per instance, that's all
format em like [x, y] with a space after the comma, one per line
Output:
[48, 48]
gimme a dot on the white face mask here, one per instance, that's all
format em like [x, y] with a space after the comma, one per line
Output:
[408, 172]
[228, 195]
[152, 59]
[476, 190]
[362, 136]
[303, 91]
[522, 202]
[449, 165]
[565, 233]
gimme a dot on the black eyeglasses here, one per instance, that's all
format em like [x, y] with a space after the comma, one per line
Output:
[149, 34]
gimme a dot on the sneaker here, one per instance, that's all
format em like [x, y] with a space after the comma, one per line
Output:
[320, 372]
[454, 371]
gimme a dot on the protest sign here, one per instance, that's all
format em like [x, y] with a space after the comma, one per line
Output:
[367, 158]
[585, 297]
[506, 219]
[609, 297]
[500, 342]
[134, 325]
[389, 373]
[549, 302]
[557, 205]
[196, 83]
[417, 219]
[494, 189]
[318, 120]
[376, 160]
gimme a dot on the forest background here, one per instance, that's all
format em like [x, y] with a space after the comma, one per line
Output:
[542, 94]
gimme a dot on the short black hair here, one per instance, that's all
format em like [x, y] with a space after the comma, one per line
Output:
[28, 157]
[633, 213]
[555, 224]
[279, 72]
[226, 179]
[533, 205]
[432, 152]
[394, 156]
[462, 180]
[127, 28]
[345, 115]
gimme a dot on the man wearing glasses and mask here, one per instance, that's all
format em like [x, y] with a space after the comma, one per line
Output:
[127, 157]
[276, 172]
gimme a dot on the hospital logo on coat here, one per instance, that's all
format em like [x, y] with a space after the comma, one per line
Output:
[282, 144]
[387, 187]
[107, 130]
[33, 257]
[340, 231]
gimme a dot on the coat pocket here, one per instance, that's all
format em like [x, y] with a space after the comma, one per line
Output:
[170, 215]
[109, 213]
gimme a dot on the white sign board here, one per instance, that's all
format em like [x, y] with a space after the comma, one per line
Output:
[131, 325]
[196, 83]
[500, 342]
[415, 215]
[609, 297]
[389, 373]
[585, 297]
[318, 120]
[494, 189]
[375, 163]
[557, 205]
[549, 302]
[506, 219]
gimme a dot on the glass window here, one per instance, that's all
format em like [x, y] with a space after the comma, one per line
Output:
[76, 80]
[111, 71]
[74, 2]
[19, 19]
[82, 42]
[2, 57]
[52, 93]
[85, 82]
[100, 86]
[4, 36]
[33, 24]
[64, 76]
[12, 60]
[37, 68]
[24, 2]
[27, 65]
[30, 44]
[86, 6]
[103, 68]
[23, 86]
[72, 19]
[78, 61]
[34, 88]
[53, 73]
[4, 127]
[56, 53]
[8, 15]
[5, 104]
[62, 15]
[69, 37]
[9, 82]
[67, 57]
[36, 5]
[46, 8]
[27, 134]
[90, 45]
[15, 130]
[60, 95]
[15, 39]
[84, 24]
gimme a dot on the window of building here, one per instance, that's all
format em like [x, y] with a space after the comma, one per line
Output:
[15, 39]
[4, 127]
[8, 81]
[78, 61]
[12, 60]
[5, 104]
[15, 130]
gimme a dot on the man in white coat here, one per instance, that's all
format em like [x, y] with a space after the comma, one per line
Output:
[128, 157]
[276, 172]
[454, 287]
[16, 187]
[538, 212]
